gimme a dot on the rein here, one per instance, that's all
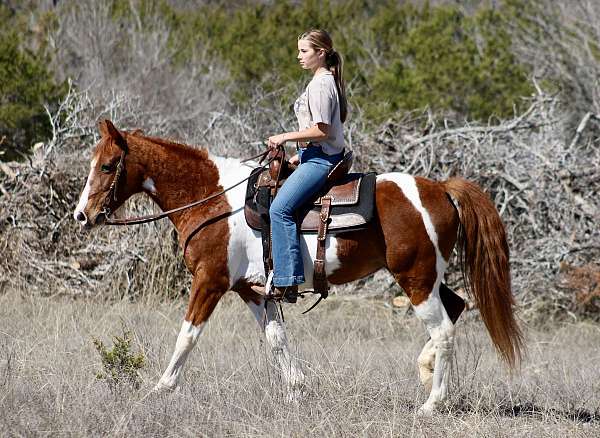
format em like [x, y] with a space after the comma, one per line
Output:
[157, 216]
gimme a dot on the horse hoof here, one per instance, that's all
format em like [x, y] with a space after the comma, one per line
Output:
[161, 388]
[426, 411]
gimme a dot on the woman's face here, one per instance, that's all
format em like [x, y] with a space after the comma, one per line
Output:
[310, 59]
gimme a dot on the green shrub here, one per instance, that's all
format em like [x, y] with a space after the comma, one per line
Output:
[440, 58]
[398, 56]
[26, 85]
[119, 364]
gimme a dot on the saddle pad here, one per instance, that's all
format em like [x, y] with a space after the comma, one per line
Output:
[345, 215]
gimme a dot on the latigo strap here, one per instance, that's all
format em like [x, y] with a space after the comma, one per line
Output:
[320, 277]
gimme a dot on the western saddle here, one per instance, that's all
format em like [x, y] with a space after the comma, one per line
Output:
[344, 204]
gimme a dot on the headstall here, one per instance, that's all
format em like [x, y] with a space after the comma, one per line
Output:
[112, 190]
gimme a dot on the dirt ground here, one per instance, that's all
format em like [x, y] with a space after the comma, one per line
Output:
[359, 357]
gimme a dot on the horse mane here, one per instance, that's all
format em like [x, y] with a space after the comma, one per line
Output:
[182, 148]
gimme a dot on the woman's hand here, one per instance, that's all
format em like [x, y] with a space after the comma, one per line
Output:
[276, 140]
[295, 160]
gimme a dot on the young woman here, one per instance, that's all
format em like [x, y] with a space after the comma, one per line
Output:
[321, 110]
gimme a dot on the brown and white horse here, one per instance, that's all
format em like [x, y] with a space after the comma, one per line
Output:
[415, 231]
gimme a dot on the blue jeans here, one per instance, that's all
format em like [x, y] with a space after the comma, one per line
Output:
[300, 187]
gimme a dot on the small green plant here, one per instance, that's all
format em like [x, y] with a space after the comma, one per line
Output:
[120, 365]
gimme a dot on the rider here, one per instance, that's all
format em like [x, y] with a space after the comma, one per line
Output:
[321, 109]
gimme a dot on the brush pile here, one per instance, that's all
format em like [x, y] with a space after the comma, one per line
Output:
[545, 185]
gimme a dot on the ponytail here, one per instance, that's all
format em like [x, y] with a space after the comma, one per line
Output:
[335, 64]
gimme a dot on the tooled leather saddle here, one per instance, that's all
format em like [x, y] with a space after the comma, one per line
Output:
[346, 203]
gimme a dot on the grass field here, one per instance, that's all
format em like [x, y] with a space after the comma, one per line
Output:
[359, 357]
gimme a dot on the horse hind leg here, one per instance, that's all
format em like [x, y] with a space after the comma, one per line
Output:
[436, 356]
[454, 306]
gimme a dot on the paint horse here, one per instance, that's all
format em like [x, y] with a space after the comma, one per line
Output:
[416, 227]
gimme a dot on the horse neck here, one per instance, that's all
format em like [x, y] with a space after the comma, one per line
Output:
[175, 175]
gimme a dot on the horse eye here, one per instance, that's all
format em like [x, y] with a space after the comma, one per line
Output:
[106, 168]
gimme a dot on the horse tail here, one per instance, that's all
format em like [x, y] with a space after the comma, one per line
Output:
[484, 261]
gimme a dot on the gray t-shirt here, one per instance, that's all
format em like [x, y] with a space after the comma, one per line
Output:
[320, 104]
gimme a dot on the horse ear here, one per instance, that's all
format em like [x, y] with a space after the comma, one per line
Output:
[103, 128]
[107, 129]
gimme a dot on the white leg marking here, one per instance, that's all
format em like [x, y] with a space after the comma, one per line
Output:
[83, 199]
[275, 334]
[187, 338]
[441, 330]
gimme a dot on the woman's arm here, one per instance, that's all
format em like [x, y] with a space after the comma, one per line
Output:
[317, 132]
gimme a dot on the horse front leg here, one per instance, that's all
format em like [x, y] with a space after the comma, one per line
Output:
[270, 322]
[203, 300]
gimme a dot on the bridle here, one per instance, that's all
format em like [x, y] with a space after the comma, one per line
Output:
[112, 190]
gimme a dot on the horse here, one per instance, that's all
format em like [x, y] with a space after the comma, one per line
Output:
[417, 224]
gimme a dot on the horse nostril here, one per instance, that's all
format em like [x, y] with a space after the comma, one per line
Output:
[81, 217]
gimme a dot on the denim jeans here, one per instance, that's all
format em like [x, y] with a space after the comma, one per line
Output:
[300, 187]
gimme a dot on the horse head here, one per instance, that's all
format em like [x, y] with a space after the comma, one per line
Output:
[110, 181]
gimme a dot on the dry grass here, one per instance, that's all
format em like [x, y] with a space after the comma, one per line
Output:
[362, 375]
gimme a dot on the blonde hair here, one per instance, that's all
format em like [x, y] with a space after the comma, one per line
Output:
[320, 40]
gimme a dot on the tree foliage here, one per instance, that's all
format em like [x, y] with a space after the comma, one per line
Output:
[26, 85]
[398, 56]
[471, 62]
